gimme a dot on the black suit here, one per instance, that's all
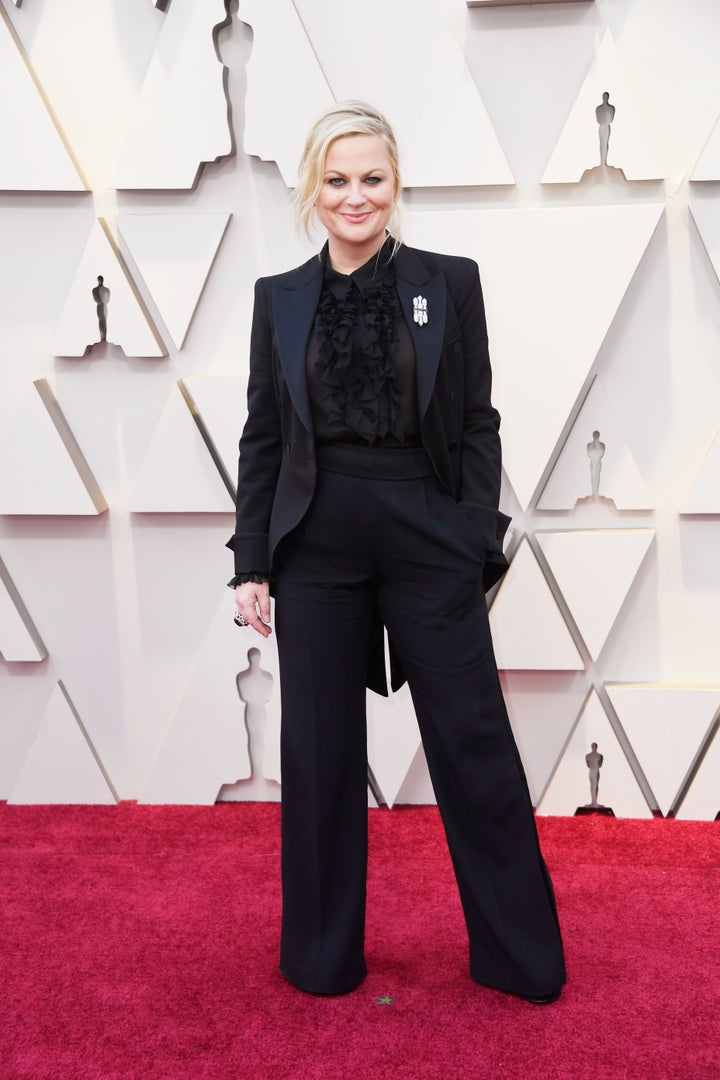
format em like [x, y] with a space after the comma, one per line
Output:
[349, 551]
[459, 427]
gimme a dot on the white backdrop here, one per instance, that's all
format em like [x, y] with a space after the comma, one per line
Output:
[157, 149]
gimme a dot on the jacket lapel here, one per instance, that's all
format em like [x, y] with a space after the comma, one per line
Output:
[293, 313]
[413, 280]
[294, 307]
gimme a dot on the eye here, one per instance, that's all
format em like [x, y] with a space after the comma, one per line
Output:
[373, 180]
[335, 181]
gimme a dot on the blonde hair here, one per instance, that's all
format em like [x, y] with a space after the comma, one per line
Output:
[343, 118]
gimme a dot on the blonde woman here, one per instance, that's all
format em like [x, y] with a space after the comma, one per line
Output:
[368, 488]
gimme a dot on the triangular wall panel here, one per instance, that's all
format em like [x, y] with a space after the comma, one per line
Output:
[528, 631]
[178, 474]
[666, 726]
[542, 710]
[128, 323]
[34, 157]
[702, 802]
[595, 570]
[62, 765]
[19, 638]
[42, 468]
[619, 477]
[180, 118]
[634, 146]
[220, 404]
[706, 215]
[276, 124]
[393, 740]
[174, 253]
[417, 789]
[571, 266]
[708, 167]
[569, 787]
[207, 742]
[704, 495]
[425, 87]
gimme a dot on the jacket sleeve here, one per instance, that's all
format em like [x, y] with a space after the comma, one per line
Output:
[260, 448]
[481, 460]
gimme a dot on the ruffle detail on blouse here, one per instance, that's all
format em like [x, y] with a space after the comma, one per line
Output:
[356, 335]
[250, 575]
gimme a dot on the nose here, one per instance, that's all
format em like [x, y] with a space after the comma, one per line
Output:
[355, 194]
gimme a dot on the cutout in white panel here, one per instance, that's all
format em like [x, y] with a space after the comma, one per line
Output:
[571, 266]
[258, 685]
[542, 711]
[666, 726]
[570, 786]
[34, 156]
[619, 128]
[424, 87]
[42, 468]
[595, 569]
[110, 309]
[393, 740]
[708, 167]
[19, 638]
[178, 474]
[219, 404]
[702, 802]
[528, 631]
[704, 495]
[180, 120]
[174, 253]
[62, 765]
[596, 469]
[212, 735]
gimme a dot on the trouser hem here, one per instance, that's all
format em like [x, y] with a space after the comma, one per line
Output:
[535, 991]
[324, 989]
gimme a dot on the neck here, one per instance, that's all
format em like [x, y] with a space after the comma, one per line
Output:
[345, 261]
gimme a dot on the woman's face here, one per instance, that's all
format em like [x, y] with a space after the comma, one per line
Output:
[356, 197]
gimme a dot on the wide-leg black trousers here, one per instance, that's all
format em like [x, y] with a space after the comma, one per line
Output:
[382, 530]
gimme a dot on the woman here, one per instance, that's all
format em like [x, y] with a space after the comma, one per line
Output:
[368, 491]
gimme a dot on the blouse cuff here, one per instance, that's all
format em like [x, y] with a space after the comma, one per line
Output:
[249, 575]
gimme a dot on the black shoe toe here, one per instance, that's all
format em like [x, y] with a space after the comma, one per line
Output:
[541, 999]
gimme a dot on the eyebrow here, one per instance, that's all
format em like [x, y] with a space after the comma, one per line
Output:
[366, 172]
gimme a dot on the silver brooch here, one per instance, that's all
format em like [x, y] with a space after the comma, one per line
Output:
[420, 314]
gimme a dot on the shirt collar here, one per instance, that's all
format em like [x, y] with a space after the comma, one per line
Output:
[379, 267]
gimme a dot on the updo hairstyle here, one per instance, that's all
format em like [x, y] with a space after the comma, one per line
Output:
[343, 118]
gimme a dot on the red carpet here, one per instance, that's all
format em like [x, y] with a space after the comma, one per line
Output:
[141, 942]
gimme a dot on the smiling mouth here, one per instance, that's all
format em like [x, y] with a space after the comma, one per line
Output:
[354, 218]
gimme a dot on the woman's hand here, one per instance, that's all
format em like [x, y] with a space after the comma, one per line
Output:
[253, 602]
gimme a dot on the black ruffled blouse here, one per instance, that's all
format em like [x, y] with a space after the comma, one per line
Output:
[360, 363]
[360, 358]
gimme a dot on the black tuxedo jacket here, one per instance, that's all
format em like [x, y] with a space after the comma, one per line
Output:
[458, 425]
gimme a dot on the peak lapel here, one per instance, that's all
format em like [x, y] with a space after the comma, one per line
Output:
[293, 314]
[428, 338]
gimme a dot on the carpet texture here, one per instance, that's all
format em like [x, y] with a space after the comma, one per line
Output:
[141, 942]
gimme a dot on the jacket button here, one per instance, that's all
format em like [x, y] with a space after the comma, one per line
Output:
[457, 347]
[288, 447]
[452, 445]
